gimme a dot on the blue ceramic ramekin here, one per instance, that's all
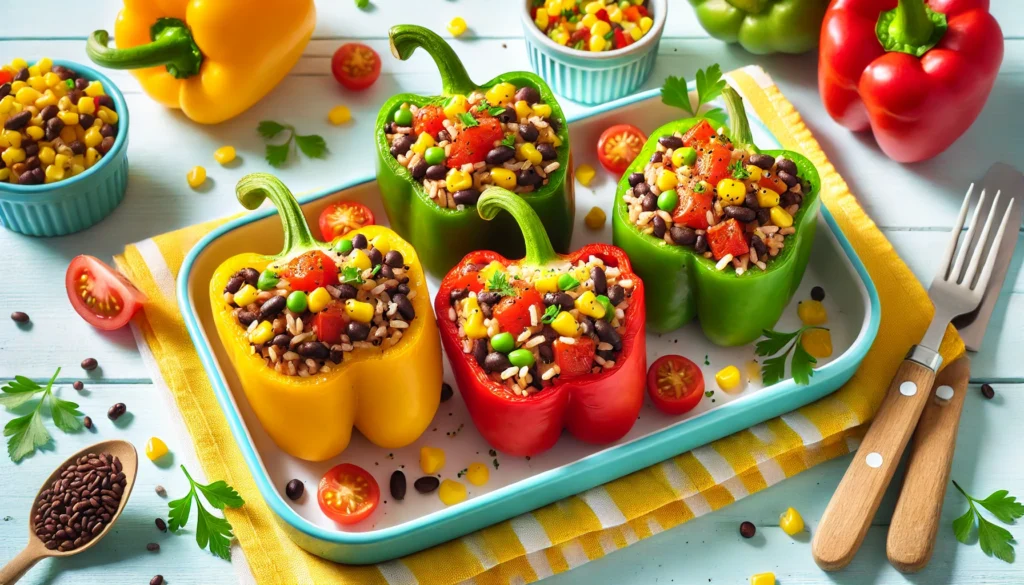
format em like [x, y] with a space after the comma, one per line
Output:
[594, 78]
[71, 205]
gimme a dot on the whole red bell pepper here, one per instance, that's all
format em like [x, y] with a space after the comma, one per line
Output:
[917, 74]
[596, 408]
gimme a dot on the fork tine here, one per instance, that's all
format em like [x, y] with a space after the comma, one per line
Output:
[982, 246]
[965, 247]
[990, 262]
[947, 258]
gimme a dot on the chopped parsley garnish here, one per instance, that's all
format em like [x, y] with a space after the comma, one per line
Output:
[351, 275]
[699, 187]
[738, 170]
[509, 140]
[468, 120]
[549, 314]
[499, 284]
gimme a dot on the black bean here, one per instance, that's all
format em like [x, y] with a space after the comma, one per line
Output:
[394, 259]
[401, 145]
[5, 90]
[48, 112]
[641, 189]
[89, 364]
[762, 161]
[387, 273]
[528, 94]
[659, 226]
[389, 128]
[75, 95]
[105, 101]
[747, 530]
[87, 422]
[607, 334]
[744, 214]
[18, 121]
[528, 178]
[337, 356]
[357, 331]
[466, 197]
[86, 121]
[528, 131]
[547, 151]
[682, 235]
[32, 177]
[347, 291]
[22, 75]
[20, 317]
[78, 385]
[81, 83]
[818, 294]
[436, 172]
[376, 258]
[161, 525]
[987, 391]
[153, 547]
[616, 294]
[751, 201]
[789, 179]
[426, 484]
[488, 298]
[672, 142]
[701, 245]
[457, 294]
[313, 349]
[115, 412]
[404, 305]
[418, 169]
[500, 155]
[53, 126]
[508, 115]
[656, 157]
[63, 72]
[496, 362]
[560, 299]
[784, 164]
[271, 308]
[605, 354]
[759, 246]
[359, 241]
[790, 198]
[763, 216]
[250, 275]
[443, 136]
[157, 580]
[546, 354]
[480, 351]
[105, 145]
[108, 131]
[446, 392]
[586, 325]
[234, 283]
[397, 485]
[31, 148]
[77, 147]
[32, 162]
[600, 281]
[294, 489]
[649, 202]
[635, 179]
[281, 340]
[247, 317]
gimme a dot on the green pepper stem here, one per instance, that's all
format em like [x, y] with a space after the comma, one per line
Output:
[749, 6]
[538, 246]
[739, 125]
[253, 188]
[172, 46]
[911, 25]
[406, 38]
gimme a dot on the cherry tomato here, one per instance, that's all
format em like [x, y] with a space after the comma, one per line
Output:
[5, 76]
[513, 311]
[100, 294]
[675, 384]
[770, 181]
[338, 219]
[329, 324]
[472, 144]
[700, 133]
[429, 119]
[311, 270]
[713, 163]
[575, 359]
[347, 493]
[727, 238]
[692, 210]
[618, 146]
[355, 66]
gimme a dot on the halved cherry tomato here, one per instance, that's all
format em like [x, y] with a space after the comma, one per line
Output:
[618, 146]
[311, 270]
[338, 219]
[675, 384]
[472, 144]
[100, 294]
[769, 181]
[513, 312]
[575, 359]
[347, 493]
[429, 119]
[713, 163]
[355, 66]
[700, 133]
[727, 238]
[329, 324]
[692, 210]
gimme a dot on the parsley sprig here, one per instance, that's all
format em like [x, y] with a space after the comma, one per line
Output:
[709, 86]
[994, 539]
[509, 140]
[499, 283]
[27, 433]
[549, 314]
[351, 275]
[468, 120]
[485, 106]
[210, 529]
[738, 170]
[773, 369]
[311, 145]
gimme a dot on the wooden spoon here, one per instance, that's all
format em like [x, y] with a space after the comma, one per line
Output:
[36, 550]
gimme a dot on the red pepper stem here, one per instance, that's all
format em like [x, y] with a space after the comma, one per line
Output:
[739, 125]
[253, 188]
[406, 38]
[539, 251]
[911, 24]
[172, 46]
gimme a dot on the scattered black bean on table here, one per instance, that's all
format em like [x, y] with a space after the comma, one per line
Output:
[80, 502]
[987, 391]
[160, 491]
[426, 484]
[89, 364]
[398, 485]
[294, 489]
[818, 293]
[157, 580]
[748, 530]
[20, 317]
[117, 411]
[153, 547]
[87, 422]
[446, 392]
[78, 385]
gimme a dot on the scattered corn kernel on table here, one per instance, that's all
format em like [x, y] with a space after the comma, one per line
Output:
[914, 205]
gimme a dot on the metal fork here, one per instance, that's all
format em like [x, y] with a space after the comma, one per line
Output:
[957, 288]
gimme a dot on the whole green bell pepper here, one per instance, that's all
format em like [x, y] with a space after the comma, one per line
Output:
[682, 284]
[764, 26]
[443, 236]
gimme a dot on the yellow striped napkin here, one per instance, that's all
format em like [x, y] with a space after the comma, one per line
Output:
[571, 532]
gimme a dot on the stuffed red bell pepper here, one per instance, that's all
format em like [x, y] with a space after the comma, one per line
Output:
[547, 342]
[917, 74]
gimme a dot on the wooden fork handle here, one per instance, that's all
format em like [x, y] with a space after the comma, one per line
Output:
[848, 516]
[915, 522]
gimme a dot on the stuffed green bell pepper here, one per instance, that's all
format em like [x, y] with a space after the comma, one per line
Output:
[764, 26]
[436, 154]
[717, 229]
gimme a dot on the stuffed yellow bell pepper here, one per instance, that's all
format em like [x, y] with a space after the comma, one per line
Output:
[327, 337]
[211, 58]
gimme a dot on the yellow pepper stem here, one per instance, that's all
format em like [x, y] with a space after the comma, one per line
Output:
[172, 46]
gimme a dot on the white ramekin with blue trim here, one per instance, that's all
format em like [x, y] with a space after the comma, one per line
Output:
[594, 78]
[76, 203]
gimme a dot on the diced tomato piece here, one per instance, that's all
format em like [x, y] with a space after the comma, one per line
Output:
[621, 40]
[513, 312]
[727, 238]
[575, 359]
[580, 34]
[713, 163]
[602, 14]
[700, 133]
[472, 144]
[770, 181]
[329, 324]
[631, 14]
[643, 11]
[311, 270]
[692, 210]
[5, 76]
[429, 119]
[469, 281]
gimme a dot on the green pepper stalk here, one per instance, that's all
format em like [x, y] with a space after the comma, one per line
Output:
[682, 285]
[764, 26]
[441, 235]
[911, 28]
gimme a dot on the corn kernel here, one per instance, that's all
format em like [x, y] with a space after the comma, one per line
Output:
[382, 243]
[17, 85]
[501, 94]
[5, 174]
[523, 109]
[474, 326]
[423, 142]
[667, 180]
[318, 300]
[451, 492]
[542, 110]
[18, 64]
[488, 271]
[196, 176]
[791, 522]
[763, 579]
[51, 79]
[556, 141]
[587, 304]
[13, 138]
[595, 218]
[817, 342]
[86, 105]
[13, 155]
[593, 7]
[597, 43]
[360, 260]
[44, 65]
[754, 171]
[477, 473]
[546, 284]
[646, 23]
[728, 378]
[780, 217]
[585, 174]
[339, 115]
[64, 103]
[561, 37]
[457, 26]
[33, 71]
[565, 325]
[93, 138]
[767, 198]
[358, 310]
[812, 312]
[7, 104]
[91, 156]
[78, 159]
[76, 169]
[458, 180]
[224, 154]
[37, 83]
[79, 133]
[263, 333]
[69, 118]
[46, 155]
[48, 99]
[155, 448]
[431, 460]
[457, 104]
[731, 191]
[27, 95]
[35, 132]
[527, 151]
[588, 21]
[107, 115]
[68, 134]
[541, 19]
[246, 295]
[62, 160]
[615, 15]
[94, 89]
[600, 28]
[503, 177]
[636, 33]
[54, 173]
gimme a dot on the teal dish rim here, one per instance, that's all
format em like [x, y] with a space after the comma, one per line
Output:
[576, 477]
[11, 191]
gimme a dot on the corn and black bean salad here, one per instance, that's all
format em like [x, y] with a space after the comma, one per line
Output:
[359, 297]
[699, 190]
[56, 124]
[527, 327]
[593, 25]
[503, 137]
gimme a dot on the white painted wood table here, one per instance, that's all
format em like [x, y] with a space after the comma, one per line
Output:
[914, 205]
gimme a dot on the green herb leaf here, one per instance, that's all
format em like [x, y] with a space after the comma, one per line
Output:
[19, 391]
[962, 526]
[312, 145]
[277, 154]
[709, 84]
[499, 284]
[738, 170]
[549, 314]
[219, 494]
[270, 129]
[716, 115]
[699, 187]
[774, 341]
[675, 94]
[578, 45]
[65, 414]
[1003, 506]
[179, 511]
[351, 275]
[773, 370]
[468, 120]
[211, 530]
[214, 531]
[361, 4]
[609, 35]
[509, 140]
[995, 540]
[375, 270]
[803, 365]
[26, 433]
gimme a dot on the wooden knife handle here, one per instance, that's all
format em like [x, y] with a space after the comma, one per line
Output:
[916, 519]
[848, 516]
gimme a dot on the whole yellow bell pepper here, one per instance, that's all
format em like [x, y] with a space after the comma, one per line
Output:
[211, 58]
[389, 394]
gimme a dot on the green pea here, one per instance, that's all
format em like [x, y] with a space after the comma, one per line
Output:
[668, 200]
[503, 342]
[267, 281]
[689, 155]
[297, 302]
[403, 117]
[343, 247]
[521, 357]
[567, 282]
[609, 309]
[434, 155]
